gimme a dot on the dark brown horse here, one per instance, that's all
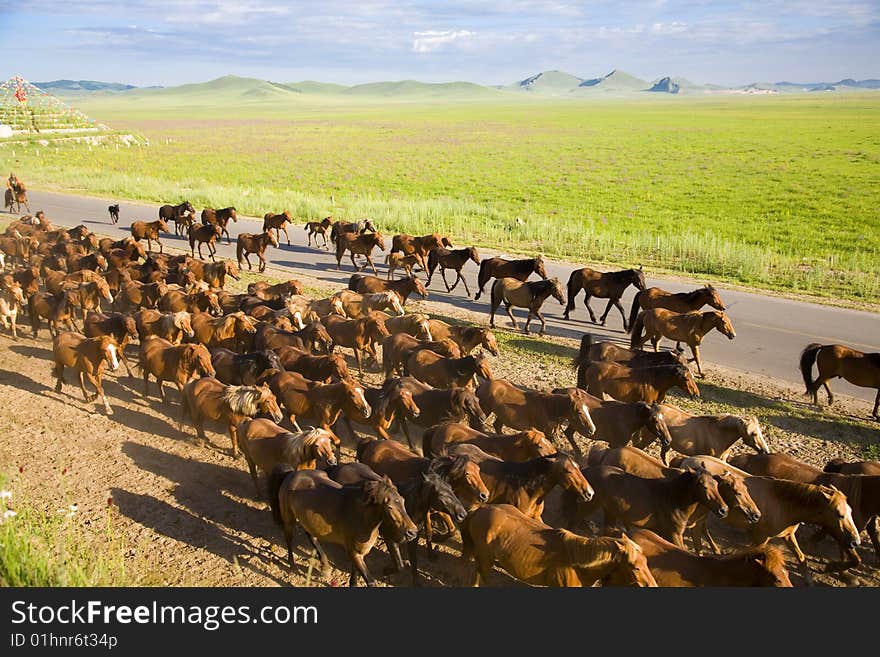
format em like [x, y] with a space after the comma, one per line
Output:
[121, 328]
[602, 285]
[438, 405]
[679, 302]
[467, 338]
[236, 369]
[358, 245]
[522, 446]
[340, 227]
[56, 308]
[836, 360]
[390, 401]
[277, 222]
[314, 337]
[853, 468]
[609, 351]
[317, 368]
[203, 234]
[630, 384]
[540, 555]
[221, 218]
[88, 356]
[181, 214]
[247, 243]
[501, 268]
[419, 247]
[451, 259]
[530, 295]
[177, 364]
[149, 230]
[114, 213]
[442, 372]
[361, 335]
[689, 328]
[347, 515]
[318, 228]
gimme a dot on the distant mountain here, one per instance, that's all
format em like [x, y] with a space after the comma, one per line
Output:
[665, 85]
[614, 82]
[548, 82]
[229, 88]
[414, 89]
[81, 87]
[312, 87]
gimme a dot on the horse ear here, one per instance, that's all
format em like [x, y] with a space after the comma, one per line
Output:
[640, 266]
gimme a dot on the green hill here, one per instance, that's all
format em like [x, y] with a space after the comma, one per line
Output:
[548, 82]
[312, 87]
[415, 89]
[615, 82]
[229, 87]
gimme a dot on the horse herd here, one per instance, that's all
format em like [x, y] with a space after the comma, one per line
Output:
[269, 366]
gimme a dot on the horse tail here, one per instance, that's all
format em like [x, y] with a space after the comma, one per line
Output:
[635, 308]
[482, 277]
[808, 357]
[574, 286]
[495, 294]
[637, 327]
[276, 478]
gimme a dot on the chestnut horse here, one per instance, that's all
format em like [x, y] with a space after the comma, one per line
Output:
[522, 446]
[602, 285]
[399, 261]
[171, 326]
[205, 301]
[440, 405]
[451, 259]
[419, 246]
[122, 328]
[680, 302]
[56, 308]
[265, 445]
[149, 230]
[402, 287]
[442, 372]
[208, 399]
[177, 364]
[531, 295]
[388, 402]
[467, 338]
[339, 227]
[274, 291]
[689, 328]
[228, 331]
[853, 468]
[220, 218]
[361, 335]
[318, 228]
[88, 356]
[358, 245]
[247, 243]
[608, 351]
[317, 368]
[540, 555]
[213, 273]
[203, 234]
[314, 337]
[347, 515]
[501, 268]
[397, 348]
[647, 384]
[836, 360]
[277, 222]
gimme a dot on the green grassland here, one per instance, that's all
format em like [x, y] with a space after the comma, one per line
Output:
[776, 192]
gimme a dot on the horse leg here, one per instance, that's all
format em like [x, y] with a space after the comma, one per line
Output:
[233, 436]
[161, 385]
[873, 413]
[353, 263]
[82, 385]
[528, 321]
[262, 262]
[59, 373]
[405, 426]
[96, 381]
[288, 540]
[791, 539]
[443, 276]
[510, 314]
[828, 391]
[622, 313]
[607, 310]
[695, 349]
[872, 526]
[569, 434]
[160, 245]
[589, 310]
[284, 228]
[543, 323]
[358, 563]
[370, 262]
[464, 281]
[247, 260]
[499, 424]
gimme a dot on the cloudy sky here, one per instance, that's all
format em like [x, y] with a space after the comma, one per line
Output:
[490, 42]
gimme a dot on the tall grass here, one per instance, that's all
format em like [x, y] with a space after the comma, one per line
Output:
[45, 548]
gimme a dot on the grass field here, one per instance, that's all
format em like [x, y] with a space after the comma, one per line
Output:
[774, 192]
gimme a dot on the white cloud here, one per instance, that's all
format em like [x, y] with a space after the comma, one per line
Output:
[675, 27]
[432, 40]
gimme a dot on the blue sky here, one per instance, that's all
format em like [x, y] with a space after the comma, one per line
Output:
[166, 43]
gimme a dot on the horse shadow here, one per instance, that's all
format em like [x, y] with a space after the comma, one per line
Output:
[829, 429]
[31, 351]
[21, 382]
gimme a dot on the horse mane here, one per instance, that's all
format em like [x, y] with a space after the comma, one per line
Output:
[375, 491]
[528, 474]
[177, 318]
[449, 466]
[243, 400]
[587, 552]
[772, 556]
[297, 446]
[225, 327]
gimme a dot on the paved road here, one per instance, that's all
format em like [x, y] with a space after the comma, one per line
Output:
[770, 331]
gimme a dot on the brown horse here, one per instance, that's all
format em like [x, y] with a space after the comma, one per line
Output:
[346, 515]
[58, 281]
[387, 403]
[134, 295]
[680, 302]
[419, 246]
[314, 337]
[93, 261]
[673, 566]
[118, 252]
[228, 330]
[602, 285]
[265, 445]
[203, 234]
[361, 335]
[501, 268]
[317, 368]
[417, 325]
[467, 338]
[862, 491]
[647, 384]
[56, 308]
[689, 328]
[114, 213]
[277, 222]
[399, 261]
[397, 348]
[275, 291]
[177, 364]
[388, 457]
[784, 506]
[522, 446]
[356, 305]
[88, 356]
[247, 243]
[359, 227]
[440, 405]
[121, 328]
[245, 369]
[213, 273]
[531, 295]
[89, 295]
[531, 409]
[205, 301]
[220, 218]
[854, 468]
[16, 196]
[181, 214]
[170, 326]
[713, 435]
[451, 259]
[208, 399]
[836, 360]
[402, 287]
[608, 351]
[358, 245]
[319, 228]
[149, 230]
[525, 484]
[442, 372]
[28, 278]
[321, 403]
[540, 555]
[664, 505]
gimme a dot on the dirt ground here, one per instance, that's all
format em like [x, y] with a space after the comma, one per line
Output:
[189, 515]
